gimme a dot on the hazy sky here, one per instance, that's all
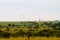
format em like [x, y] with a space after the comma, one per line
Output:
[18, 10]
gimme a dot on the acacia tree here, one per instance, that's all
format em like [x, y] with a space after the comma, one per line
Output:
[9, 25]
[29, 34]
[46, 32]
[21, 33]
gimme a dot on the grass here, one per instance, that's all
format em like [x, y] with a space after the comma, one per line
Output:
[6, 23]
[35, 38]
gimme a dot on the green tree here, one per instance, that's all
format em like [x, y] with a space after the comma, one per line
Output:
[6, 35]
[29, 34]
[9, 25]
[46, 32]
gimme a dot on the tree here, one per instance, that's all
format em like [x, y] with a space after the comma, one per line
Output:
[21, 33]
[6, 35]
[29, 34]
[9, 25]
[0, 26]
[1, 33]
[57, 33]
[13, 25]
[46, 32]
[36, 27]
[7, 29]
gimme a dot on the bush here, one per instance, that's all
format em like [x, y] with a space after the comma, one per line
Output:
[15, 35]
[46, 32]
[57, 33]
[21, 33]
[1, 33]
[6, 35]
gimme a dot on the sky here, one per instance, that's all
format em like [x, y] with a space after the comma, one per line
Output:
[29, 10]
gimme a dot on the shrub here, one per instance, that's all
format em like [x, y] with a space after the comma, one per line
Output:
[46, 32]
[6, 35]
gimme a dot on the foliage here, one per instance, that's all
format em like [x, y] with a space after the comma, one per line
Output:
[34, 29]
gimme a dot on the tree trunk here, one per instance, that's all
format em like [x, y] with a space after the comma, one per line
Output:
[28, 37]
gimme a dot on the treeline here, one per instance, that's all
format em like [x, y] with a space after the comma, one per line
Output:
[55, 25]
[30, 33]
